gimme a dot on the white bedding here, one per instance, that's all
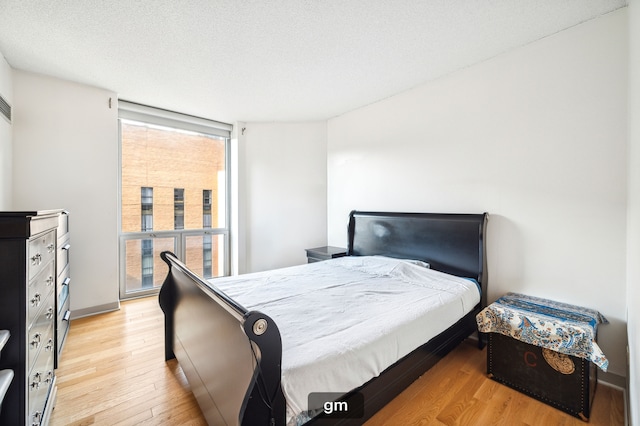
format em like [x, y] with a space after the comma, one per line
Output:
[343, 321]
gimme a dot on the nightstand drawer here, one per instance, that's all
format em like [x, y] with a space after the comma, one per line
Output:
[324, 253]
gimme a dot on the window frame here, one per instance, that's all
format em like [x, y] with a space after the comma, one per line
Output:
[164, 118]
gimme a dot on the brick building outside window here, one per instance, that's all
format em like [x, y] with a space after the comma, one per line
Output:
[171, 180]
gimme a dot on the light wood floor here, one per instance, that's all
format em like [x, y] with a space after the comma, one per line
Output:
[113, 372]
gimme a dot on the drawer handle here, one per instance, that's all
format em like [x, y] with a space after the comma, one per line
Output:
[37, 418]
[35, 342]
[35, 301]
[51, 247]
[49, 280]
[66, 281]
[49, 313]
[36, 259]
[66, 316]
[49, 378]
[66, 247]
[49, 346]
[35, 383]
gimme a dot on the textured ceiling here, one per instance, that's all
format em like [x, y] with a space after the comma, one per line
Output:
[280, 60]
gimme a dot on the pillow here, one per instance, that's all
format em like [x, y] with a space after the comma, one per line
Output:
[417, 262]
[411, 261]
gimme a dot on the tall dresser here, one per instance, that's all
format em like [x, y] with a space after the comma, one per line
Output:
[28, 289]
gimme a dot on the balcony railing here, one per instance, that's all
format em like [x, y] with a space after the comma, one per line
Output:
[204, 251]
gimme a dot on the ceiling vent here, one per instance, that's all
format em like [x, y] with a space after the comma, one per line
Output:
[5, 109]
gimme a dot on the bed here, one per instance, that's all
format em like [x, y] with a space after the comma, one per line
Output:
[244, 367]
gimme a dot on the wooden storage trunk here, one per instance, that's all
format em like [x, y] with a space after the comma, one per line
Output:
[562, 381]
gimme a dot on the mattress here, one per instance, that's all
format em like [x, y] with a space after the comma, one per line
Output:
[343, 321]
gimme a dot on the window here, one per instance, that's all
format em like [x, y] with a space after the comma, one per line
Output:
[147, 263]
[207, 261]
[178, 208]
[146, 209]
[206, 208]
[173, 196]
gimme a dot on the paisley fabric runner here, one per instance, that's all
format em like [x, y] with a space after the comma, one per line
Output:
[561, 327]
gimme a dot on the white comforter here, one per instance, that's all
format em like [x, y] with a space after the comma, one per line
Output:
[344, 321]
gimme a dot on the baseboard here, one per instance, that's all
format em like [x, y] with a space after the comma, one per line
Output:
[611, 379]
[94, 310]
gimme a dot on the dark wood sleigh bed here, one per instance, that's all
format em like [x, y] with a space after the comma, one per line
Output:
[232, 357]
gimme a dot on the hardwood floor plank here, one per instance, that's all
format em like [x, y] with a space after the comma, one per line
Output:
[113, 372]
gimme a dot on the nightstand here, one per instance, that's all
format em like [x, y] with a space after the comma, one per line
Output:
[323, 253]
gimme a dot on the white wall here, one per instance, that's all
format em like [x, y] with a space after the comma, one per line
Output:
[65, 155]
[283, 169]
[537, 138]
[6, 90]
[633, 252]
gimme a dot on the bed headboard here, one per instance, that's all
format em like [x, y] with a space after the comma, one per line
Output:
[449, 242]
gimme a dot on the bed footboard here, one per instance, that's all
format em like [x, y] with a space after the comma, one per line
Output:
[230, 356]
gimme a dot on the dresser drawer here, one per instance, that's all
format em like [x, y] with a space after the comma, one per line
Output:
[64, 316]
[64, 281]
[63, 224]
[41, 250]
[40, 337]
[63, 257]
[39, 290]
[38, 386]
